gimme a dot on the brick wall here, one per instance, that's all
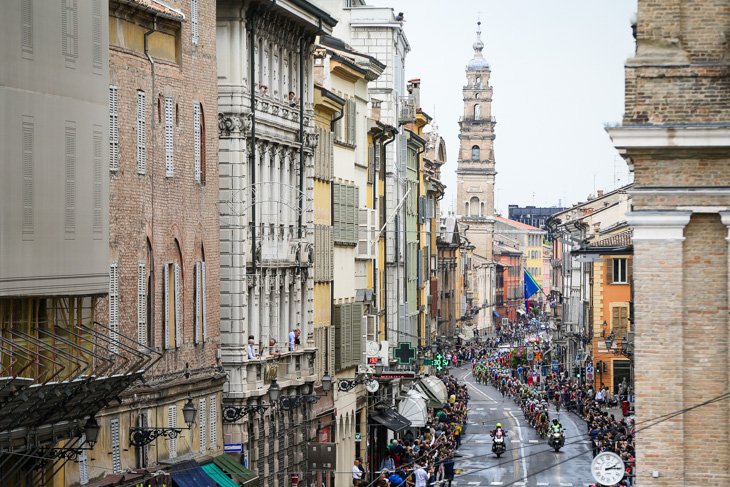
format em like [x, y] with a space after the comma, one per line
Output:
[168, 211]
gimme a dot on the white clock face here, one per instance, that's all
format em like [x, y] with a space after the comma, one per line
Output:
[372, 348]
[607, 468]
[372, 386]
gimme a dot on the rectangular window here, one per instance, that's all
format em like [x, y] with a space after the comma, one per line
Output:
[203, 425]
[97, 228]
[141, 133]
[114, 305]
[172, 423]
[198, 300]
[345, 217]
[142, 303]
[116, 447]
[169, 145]
[197, 140]
[619, 271]
[213, 420]
[114, 128]
[194, 21]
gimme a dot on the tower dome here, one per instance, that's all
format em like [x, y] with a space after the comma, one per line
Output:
[478, 63]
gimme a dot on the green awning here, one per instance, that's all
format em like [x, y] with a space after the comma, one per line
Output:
[236, 470]
[218, 476]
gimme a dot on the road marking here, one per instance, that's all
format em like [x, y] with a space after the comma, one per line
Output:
[507, 409]
[492, 409]
[480, 441]
[480, 409]
[534, 441]
[566, 484]
[474, 483]
[522, 448]
[542, 483]
[496, 483]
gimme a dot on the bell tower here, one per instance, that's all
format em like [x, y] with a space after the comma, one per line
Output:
[475, 166]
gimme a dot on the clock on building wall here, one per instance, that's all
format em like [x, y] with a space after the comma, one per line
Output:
[608, 468]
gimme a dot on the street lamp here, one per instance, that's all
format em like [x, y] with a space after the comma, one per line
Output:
[609, 341]
[91, 430]
[274, 391]
[141, 436]
[326, 382]
[379, 366]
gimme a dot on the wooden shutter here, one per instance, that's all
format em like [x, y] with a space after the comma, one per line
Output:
[351, 121]
[96, 36]
[70, 180]
[28, 178]
[337, 325]
[194, 21]
[70, 31]
[403, 153]
[113, 306]
[419, 268]
[213, 421]
[202, 425]
[141, 134]
[166, 310]
[172, 423]
[83, 463]
[113, 128]
[203, 290]
[336, 210]
[609, 271]
[142, 303]
[169, 141]
[357, 332]
[27, 31]
[347, 335]
[116, 447]
[97, 217]
[196, 299]
[196, 137]
[178, 313]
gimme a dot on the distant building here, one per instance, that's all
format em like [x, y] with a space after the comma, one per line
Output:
[532, 215]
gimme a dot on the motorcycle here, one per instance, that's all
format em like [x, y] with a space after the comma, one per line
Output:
[498, 446]
[556, 440]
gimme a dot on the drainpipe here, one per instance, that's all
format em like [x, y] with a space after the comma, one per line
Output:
[393, 133]
[338, 117]
[302, 42]
[252, 152]
[152, 170]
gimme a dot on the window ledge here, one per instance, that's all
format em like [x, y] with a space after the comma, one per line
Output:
[344, 144]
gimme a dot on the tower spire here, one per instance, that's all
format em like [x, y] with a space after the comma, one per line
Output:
[478, 62]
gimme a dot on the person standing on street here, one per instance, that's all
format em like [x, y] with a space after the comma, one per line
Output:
[356, 473]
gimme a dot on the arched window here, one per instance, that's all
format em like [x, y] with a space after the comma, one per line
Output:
[477, 111]
[476, 96]
[475, 153]
[478, 81]
[474, 206]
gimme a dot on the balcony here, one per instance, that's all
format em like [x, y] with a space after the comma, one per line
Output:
[251, 378]
[478, 120]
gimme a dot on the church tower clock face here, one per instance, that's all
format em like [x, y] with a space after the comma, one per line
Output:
[476, 165]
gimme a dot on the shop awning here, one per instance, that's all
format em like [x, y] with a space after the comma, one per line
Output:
[218, 476]
[434, 390]
[190, 474]
[496, 314]
[522, 312]
[391, 420]
[413, 408]
[236, 470]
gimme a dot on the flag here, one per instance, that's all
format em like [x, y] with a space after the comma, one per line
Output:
[531, 286]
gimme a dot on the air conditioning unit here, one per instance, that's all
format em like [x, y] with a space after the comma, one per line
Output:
[384, 353]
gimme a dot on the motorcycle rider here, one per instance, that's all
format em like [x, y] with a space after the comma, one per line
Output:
[556, 427]
[498, 428]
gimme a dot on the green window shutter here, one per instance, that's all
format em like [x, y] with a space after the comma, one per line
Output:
[344, 213]
[357, 341]
[347, 326]
[336, 210]
[337, 325]
[419, 266]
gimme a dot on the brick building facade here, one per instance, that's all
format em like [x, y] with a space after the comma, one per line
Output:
[164, 237]
[675, 136]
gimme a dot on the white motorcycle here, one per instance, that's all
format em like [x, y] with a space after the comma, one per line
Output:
[498, 446]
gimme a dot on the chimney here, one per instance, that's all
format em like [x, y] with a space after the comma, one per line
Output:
[375, 109]
[414, 88]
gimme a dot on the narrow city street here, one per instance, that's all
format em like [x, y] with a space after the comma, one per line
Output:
[528, 460]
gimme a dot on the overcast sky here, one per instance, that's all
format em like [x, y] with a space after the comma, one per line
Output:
[558, 77]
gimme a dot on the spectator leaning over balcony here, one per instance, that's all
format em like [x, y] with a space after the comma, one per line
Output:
[252, 349]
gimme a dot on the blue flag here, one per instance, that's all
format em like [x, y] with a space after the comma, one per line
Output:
[531, 286]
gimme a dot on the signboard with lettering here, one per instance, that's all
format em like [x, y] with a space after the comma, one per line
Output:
[321, 457]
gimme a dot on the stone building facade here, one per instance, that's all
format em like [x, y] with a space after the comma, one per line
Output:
[675, 137]
[267, 140]
[163, 245]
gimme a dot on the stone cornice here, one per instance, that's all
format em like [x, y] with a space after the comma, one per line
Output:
[658, 225]
[662, 137]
